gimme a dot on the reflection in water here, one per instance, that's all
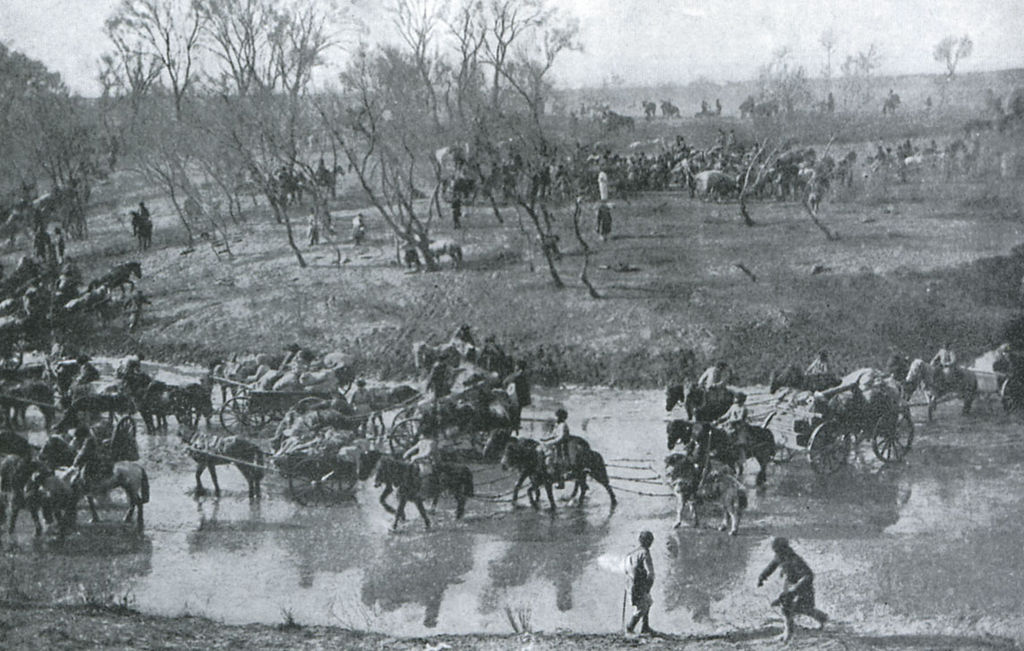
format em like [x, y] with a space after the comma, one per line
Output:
[855, 501]
[557, 548]
[100, 563]
[236, 536]
[703, 565]
[327, 544]
[415, 570]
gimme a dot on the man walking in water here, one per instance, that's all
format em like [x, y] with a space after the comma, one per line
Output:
[639, 581]
[797, 596]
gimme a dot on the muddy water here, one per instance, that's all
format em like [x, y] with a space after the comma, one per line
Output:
[930, 546]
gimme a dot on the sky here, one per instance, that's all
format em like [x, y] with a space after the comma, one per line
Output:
[641, 42]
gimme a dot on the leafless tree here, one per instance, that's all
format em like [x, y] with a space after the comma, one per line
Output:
[167, 31]
[950, 51]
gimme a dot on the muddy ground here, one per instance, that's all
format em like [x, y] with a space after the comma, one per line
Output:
[925, 554]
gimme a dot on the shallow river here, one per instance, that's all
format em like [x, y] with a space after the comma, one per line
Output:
[931, 546]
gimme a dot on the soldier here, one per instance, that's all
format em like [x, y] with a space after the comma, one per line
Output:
[604, 221]
[422, 454]
[133, 305]
[639, 580]
[555, 447]
[736, 423]
[819, 366]
[797, 596]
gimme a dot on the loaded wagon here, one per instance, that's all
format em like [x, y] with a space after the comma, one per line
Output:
[866, 406]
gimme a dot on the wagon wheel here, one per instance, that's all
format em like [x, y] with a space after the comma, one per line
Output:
[828, 449]
[891, 442]
[235, 416]
[309, 486]
[404, 434]
[1009, 395]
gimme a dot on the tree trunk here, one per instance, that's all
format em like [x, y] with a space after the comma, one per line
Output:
[829, 235]
[281, 214]
[586, 253]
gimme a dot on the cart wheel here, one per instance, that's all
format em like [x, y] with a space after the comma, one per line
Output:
[310, 486]
[828, 449]
[404, 434]
[235, 416]
[892, 442]
[1008, 395]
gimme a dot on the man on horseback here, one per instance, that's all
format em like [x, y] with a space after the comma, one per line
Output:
[736, 423]
[945, 359]
[714, 376]
[86, 372]
[819, 366]
[88, 457]
[556, 453]
[423, 453]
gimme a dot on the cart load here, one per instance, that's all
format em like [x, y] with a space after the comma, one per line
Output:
[868, 404]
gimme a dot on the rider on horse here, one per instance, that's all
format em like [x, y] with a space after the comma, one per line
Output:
[946, 360]
[88, 457]
[736, 423]
[819, 366]
[423, 453]
[556, 453]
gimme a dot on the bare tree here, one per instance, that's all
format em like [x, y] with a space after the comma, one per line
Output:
[165, 30]
[858, 70]
[785, 82]
[828, 40]
[950, 51]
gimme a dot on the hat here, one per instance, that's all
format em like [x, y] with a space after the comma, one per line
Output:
[561, 413]
[646, 538]
[780, 543]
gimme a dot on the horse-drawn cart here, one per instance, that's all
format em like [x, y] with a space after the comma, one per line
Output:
[250, 412]
[866, 406]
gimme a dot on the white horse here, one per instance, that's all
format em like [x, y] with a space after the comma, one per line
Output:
[938, 383]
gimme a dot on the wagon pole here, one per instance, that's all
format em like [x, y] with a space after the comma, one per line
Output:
[26, 401]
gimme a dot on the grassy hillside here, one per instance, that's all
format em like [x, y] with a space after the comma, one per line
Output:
[916, 263]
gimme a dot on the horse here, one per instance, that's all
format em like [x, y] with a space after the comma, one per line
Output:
[707, 440]
[118, 277]
[527, 456]
[450, 248]
[937, 384]
[391, 473]
[54, 487]
[704, 405]
[793, 377]
[19, 396]
[211, 451]
[192, 401]
[15, 473]
[692, 483]
[154, 400]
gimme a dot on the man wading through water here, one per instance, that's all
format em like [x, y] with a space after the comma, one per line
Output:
[797, 597]
[639, 581]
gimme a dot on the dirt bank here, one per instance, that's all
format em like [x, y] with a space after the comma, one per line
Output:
[41, 627]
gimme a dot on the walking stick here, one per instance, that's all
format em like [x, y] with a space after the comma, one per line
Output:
[623, 611]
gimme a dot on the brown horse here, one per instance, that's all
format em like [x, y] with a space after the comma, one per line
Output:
[703, 405]
[210, 451]
[451, 478]
[704, 441]
[527, 456]
[15, 473]
[61, 489]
